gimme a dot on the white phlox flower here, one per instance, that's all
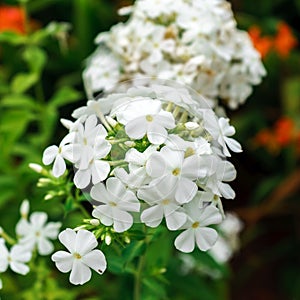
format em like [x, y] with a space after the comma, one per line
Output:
[81, 256]
[142, 116]
[37, 232]
[176, 172]
[59, 154]
[196, 229]
[16, 258]
[117, 203]
[162, 204]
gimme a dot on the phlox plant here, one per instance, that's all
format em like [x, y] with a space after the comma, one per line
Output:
[146, 158]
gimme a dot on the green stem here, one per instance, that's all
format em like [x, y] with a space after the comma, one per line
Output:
[138, 278]
[8, 238]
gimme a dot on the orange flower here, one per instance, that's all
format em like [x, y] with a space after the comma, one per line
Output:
[12, 18]
[262, 44]
[284, 131]
[284, 41]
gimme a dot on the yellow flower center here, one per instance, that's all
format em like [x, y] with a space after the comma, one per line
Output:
[189, 152]
[165, 202]
[114, 204]
[176, 172]
[195, 225]
[149, 118]
[77, 255]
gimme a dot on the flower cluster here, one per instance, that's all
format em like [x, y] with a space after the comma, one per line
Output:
[33, 234]
[194, 42]
[146, 155]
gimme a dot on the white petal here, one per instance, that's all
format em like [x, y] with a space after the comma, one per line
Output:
[156, 134]
[175, 220]
[185, 242]
[20, 253]
[23, 227]
[100, 170]
[136, 129]
[104, 214]
[50, 154]
[210, 215]
[59, 166]
[99, 193]
[63, 261]
[116, 188]
[80, 273]
[51, 230]
[82, 178]
[122, 220]
[67, 238]
[156, 165]
[38, 219]
[152, 216]
[45, 247]
[95, 260]
[233, 145]
[85, 242]
[19, 268]
[205, 238]
[226, 190]
[185, 190]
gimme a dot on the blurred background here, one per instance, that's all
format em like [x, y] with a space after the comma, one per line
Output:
[43, 45]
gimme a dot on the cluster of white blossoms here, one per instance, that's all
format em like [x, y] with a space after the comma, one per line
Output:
[195, 42]
[33, 234]
[153, 155]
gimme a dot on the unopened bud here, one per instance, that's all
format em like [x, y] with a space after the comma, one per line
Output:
[111, 121]
[95, 222]
[24, 209]
[191, 125]
[107, 240]
[48, 197]
[130, 144]
[36, 167]
[1, 230]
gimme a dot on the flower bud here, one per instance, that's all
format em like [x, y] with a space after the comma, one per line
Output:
[24, 209]
[95, 222]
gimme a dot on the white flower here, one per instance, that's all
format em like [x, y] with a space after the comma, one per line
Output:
[176, 172]
[197, 231]
[220, 131]
[163, 204]
[117, 201]
[58, 154]
[103, 71]
[81, 256]
[143, 116]
[36, 232]
[15, 258]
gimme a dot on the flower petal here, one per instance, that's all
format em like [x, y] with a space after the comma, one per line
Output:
[63, 261]
[136, 129]
[210, 215]
[205, 238]
[122, 220]
[19, 268]
[67, 238]
[185, 242]
[175, 220]
[45, 247]
[95, 260]
[185, 191]
[152, 216]
[82, 178]
[50, 154]
[80, 273]
[59, 166]
[85, 242]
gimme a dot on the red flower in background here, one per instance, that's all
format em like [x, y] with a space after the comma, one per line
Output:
[283, 134]
[263, 44]
[12, 18]
[284, 41]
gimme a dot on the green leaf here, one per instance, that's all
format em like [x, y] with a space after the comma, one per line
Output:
[134, 249]
[291, 96]
[12, 38]
[64, 96]
[23, 81]
[35, 58]
[18, 101]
